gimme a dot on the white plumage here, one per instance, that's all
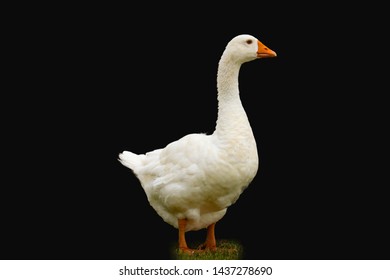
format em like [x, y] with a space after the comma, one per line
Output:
[192, 181]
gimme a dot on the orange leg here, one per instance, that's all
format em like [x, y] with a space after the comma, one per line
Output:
[182, 238]
[210, 242]
[182, 234]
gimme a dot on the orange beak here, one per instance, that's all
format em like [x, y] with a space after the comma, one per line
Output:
[263, 51]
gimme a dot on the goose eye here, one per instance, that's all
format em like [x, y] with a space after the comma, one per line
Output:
[249, 41]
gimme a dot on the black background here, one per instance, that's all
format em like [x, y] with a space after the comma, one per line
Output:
[93, 81]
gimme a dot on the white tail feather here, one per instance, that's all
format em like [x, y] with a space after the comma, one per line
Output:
[130, 160]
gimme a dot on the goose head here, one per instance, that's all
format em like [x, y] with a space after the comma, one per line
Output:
[244, 48]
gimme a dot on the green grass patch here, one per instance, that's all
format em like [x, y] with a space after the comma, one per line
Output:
[226, 250]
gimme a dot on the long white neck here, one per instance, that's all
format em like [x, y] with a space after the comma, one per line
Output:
[232, 119]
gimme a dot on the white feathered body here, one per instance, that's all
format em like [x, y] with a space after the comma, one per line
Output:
[199, 176]
[194, 177]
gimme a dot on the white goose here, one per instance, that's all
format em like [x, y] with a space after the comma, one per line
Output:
[191, 182]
